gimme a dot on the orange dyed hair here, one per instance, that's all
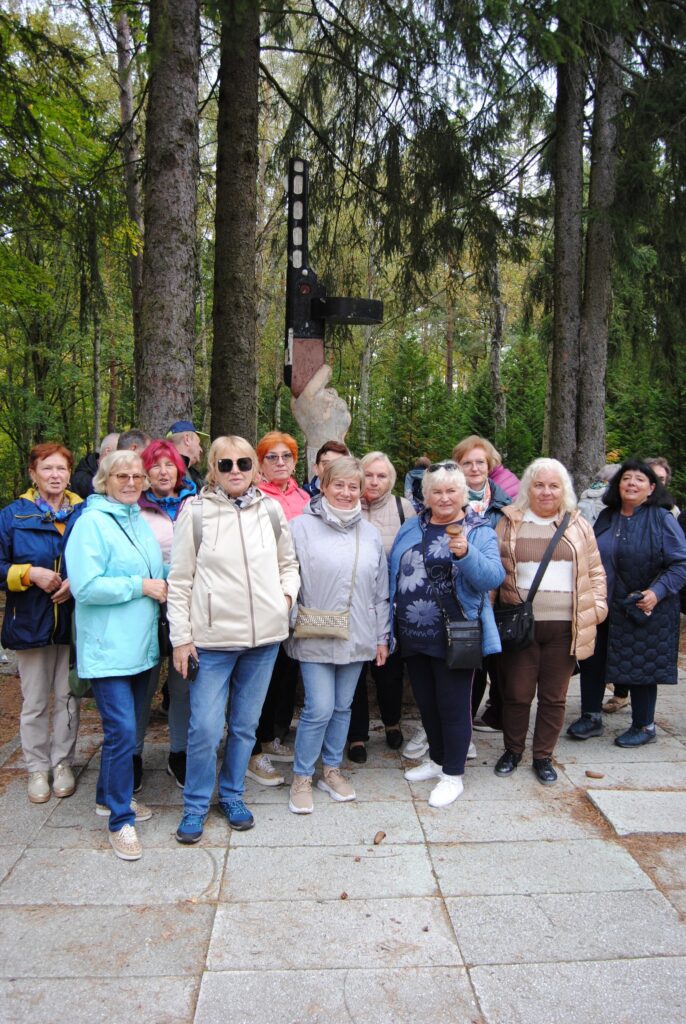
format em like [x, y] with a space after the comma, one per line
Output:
[274, 437]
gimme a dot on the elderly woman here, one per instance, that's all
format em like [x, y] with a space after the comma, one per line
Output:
[344, 569]
[37, 620]
[387, 513]
[443, 563]
[643, 551]
[568, 605]
[277, 455]
[233, 579]
[117, 578]
[160, 506]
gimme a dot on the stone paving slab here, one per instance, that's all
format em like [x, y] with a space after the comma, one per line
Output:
[642, 811]
[363, 872]
[582, 865]
[371, 784]
[497, 821]
[649, 991]
[547, 928]
[648, 775]
[480, 783]
[98, 877]
[332, 824]
[9, 855]
[334, 934]
[408, 996]
[85, 829]
[97, 1000]
[602, 749]
[27, 819]
[59, 942]
[668, 865]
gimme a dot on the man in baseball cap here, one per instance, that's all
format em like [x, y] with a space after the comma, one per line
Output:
[189, 443]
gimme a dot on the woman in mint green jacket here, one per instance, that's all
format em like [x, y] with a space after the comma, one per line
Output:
[117, 580]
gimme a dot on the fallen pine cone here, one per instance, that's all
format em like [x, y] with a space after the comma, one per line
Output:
[379, 838]
[595, 775]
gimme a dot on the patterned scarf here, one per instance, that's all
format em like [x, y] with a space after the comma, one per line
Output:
[480, 500]
[49, 515]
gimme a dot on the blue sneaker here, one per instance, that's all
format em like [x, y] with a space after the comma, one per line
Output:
[190, 829]
[237, 814]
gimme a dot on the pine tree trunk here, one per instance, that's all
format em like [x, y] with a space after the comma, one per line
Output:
[165, 377]
[131, 160]
[595, 314]
[563, 382]
[498, 317]
[234, 364]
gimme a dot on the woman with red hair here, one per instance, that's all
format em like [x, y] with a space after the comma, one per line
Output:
[278, 456]
[37, 623]
[160, 506]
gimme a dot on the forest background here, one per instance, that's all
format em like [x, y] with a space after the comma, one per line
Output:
[508, 177]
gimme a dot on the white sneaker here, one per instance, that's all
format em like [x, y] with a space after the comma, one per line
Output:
[63, 781]
[447, 791]
[417, 746]
[471, 753]
[39, 787]
[142, 811]
[260, 769]
[278, 751]
[125, 843]
[426, 770]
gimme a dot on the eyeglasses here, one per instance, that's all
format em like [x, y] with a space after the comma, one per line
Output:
[123, 478]
[273, 457]
[244, 464]
[435, 466]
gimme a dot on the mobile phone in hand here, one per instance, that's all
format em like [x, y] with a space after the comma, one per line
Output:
[193, 668]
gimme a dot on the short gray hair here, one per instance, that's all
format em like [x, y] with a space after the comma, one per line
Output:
[370, 457]
[569, 501]
[123, 458]
[443, 473]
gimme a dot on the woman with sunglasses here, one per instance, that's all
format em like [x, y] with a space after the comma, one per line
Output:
[117, 579]
[277, 454]
[233, 579]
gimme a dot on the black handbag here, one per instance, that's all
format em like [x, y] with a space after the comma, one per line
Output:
[163, 638]
[515, 622]
[463, 636]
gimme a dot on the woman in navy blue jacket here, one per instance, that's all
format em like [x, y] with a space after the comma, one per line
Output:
[643, 552]
[38, 610]
[427, 561]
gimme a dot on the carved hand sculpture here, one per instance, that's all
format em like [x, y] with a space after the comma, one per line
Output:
[320, 412]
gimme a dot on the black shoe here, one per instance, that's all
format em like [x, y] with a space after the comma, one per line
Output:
[637, 736]
[507, 763]
[544, 771]
[590, 724]
[394, 738]
[176, 767]
[137, 773]
[357, 753]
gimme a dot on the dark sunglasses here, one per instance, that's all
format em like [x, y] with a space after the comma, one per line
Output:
[226, 465]
[435, 466]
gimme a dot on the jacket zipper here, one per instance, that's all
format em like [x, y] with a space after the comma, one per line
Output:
[247, 575]
[209, 609]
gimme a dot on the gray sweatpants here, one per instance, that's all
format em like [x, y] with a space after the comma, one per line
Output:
[44, 671]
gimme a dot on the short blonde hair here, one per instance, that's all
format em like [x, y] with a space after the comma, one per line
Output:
[346, 466]
[370, 457]
[442, 473]
[237, 443]
[474, 441]
[124, 459]
[569, 501]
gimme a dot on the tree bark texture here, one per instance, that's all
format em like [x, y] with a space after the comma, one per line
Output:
[165, 378]
[132, 175]
[234, 364]
[595, 312]
[569, 111]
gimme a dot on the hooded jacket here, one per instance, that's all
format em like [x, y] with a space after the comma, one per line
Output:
[326, 553]
[110, 551]
[231, 594]
[32, 619]
[589, 604]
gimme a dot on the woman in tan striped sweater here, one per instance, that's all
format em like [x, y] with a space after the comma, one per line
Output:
[569, 604]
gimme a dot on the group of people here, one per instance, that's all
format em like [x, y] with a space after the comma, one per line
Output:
[250, 581]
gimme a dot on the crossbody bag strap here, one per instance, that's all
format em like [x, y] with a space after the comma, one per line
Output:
[440, 604]
[133, 543]
[357, 553]
[540, 572]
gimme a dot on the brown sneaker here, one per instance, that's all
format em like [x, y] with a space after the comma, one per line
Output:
[63, 782]
[615, 704]
[260, 769]
[300, 797]
[336, 785]
[125, 843]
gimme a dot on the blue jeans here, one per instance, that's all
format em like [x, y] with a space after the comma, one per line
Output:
[179, 708]
[323, 726]
[120, 701]
[246, 673]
